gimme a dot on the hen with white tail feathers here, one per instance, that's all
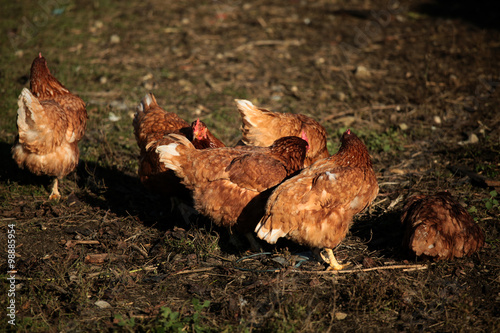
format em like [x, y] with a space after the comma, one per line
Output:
[316, 207]
[50, 121]
[226, 182]
[44, 144]
[152, 124]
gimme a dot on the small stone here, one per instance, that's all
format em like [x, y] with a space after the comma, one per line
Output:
[147, 77]
[403, 126]
[341, 96]
[437, 120]
[362, 72]
[115, 39]
[473, 138]
[102, 304]
[103, 80]
[320, 61]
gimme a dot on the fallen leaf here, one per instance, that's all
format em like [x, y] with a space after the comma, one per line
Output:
[340, 315]
[96, 258]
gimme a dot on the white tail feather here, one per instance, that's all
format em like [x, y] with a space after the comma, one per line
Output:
[244, 105]
[269, 235]
[148, 99]
[145, 103]
[26, 115]
[167, 155]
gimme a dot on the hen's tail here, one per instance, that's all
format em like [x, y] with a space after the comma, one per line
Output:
[141, 128]
[251, 115]
[173, 155]
[41, 125]
[255, 124]
[265, 231]
[147, 103]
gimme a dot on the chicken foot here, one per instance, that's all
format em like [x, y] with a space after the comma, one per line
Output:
[55, 195]
[334, 264]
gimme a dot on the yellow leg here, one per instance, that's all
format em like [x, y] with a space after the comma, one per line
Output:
[55, 195]
[334, 265]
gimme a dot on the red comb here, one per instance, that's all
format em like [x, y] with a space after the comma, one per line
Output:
[40, 55]
[348, 131]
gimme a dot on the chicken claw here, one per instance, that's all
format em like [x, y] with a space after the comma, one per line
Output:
[55, 195]
[334, 264]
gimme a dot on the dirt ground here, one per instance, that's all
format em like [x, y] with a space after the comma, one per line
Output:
[417, 81]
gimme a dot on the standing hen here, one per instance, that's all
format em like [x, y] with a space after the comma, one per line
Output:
[50, 121]
[438, 226]
[151, 125]
[261, 127]
[316, 207]
[226, 182]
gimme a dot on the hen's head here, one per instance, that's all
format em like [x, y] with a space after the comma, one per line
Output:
[42, 83]
[39, 67]
[353, 151]
[199, 129]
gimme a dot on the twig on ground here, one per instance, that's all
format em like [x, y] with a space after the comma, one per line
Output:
[189, 271]
[406, 268]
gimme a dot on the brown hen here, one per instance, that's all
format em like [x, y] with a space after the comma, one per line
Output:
[261, 127]
[151, 125]
[316, 207]
[50, 122]
[228, 181]
[438, 226]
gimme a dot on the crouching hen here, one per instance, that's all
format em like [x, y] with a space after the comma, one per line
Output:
[438, 226]
[261, 127]
[227, 182]
[50, 122]
[316, 207]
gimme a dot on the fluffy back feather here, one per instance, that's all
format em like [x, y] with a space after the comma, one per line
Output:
[173, 154]
[39, 132]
